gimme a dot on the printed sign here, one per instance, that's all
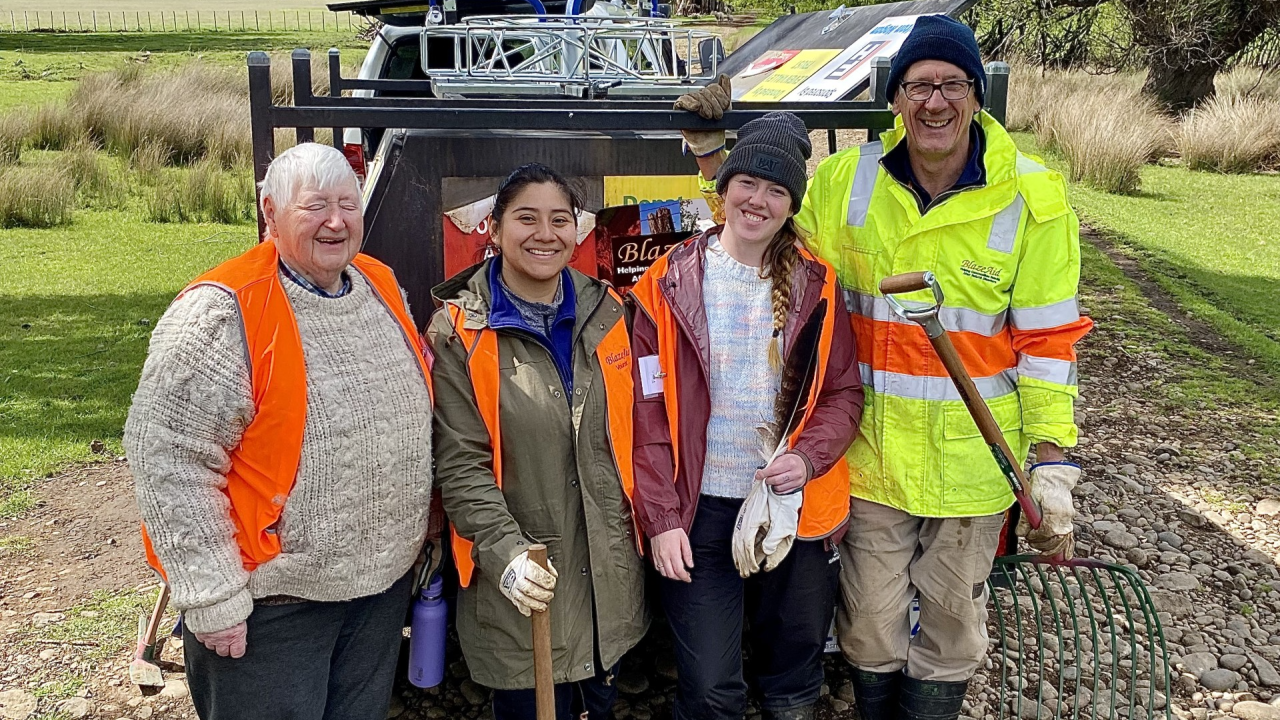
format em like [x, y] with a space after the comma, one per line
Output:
[787, 78]
[771, 60]
[853, 66]
[629, 238]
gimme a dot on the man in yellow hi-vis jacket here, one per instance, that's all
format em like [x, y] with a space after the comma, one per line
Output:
[945, 190]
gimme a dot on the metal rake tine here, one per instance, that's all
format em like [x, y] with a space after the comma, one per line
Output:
[1057, 626]
[1039, 625]
[1093, 635]
[1133, 644]
[1075, 629]
[1001, 629]
[1111, 626]
[1154, 630]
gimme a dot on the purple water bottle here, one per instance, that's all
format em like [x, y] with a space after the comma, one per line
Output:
[426, 636]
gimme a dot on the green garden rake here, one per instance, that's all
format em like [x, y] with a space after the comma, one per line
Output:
[1073, 638]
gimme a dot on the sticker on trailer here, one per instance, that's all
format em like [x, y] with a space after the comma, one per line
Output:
[853, 66]
[771, 60]
[788, 77]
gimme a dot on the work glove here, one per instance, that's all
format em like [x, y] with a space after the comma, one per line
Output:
[527, 585]
[709, 102]
[1051, 486]
[750, 530]
[784, 523]
[230, 642]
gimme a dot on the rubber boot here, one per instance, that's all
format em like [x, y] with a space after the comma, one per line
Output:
[803, 712]
[876, 694]
[931, 700]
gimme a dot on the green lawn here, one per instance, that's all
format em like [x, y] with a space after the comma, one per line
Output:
[1208, 239]
[77, 305]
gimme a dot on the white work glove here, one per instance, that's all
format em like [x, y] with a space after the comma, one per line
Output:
[1051, 486]
[709, 102]
[527, 585]
[784, 523]
[750, 529]
[230, 642]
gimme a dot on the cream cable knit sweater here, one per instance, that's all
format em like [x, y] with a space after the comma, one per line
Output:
[357, 515]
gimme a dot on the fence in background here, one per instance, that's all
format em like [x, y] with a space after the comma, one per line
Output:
[155, 21]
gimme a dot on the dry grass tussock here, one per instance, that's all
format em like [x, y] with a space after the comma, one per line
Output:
[1033, 91]
[1105, 139]
[192, 113]
[35, 199]
[1249, 81]
[205, 193]
[14, 128]
[1232, 134]
[96, 179]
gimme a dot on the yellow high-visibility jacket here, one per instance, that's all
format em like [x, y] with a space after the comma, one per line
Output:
[1007, 256]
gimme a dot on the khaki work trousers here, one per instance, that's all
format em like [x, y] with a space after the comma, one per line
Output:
[887, 558]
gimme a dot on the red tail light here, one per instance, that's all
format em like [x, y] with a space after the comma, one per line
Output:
[354, 152]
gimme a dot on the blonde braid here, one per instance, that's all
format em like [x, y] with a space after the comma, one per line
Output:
[780, 259]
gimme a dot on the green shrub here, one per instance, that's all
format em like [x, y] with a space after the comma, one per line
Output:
[35, 199]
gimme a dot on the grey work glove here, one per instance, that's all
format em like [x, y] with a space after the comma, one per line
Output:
[1051, 486]
[710, 103]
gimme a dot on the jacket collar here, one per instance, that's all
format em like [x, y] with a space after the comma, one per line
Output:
[682, 287]
[469, 291]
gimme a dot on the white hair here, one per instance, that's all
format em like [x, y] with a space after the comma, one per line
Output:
[307, 165]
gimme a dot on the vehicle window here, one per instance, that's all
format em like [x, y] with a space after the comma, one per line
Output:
[403, 60]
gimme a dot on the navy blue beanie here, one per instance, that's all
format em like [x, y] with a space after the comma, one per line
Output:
[938, 37]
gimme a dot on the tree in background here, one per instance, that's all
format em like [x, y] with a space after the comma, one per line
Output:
[1183, 44]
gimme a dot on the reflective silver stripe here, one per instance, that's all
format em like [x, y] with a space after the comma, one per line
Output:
[1004, 227]
[917, 387]
[953, 319]
[1027, 166]
[864, 182]
[1045, 316]
[1062, 372]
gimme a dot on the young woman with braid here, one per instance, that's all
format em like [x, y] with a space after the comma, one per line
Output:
[716, 321]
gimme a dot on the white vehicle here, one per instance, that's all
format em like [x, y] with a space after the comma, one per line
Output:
[520, 48]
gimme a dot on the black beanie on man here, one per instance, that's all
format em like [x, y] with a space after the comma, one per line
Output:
[774, 148]
[938, 37]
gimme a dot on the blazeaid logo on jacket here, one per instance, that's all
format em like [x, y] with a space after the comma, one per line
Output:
[986, 273]
[765, 163]
[620, 360]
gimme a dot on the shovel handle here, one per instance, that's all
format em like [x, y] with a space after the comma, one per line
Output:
[1011, 466]
[543, 687]
[904, 283]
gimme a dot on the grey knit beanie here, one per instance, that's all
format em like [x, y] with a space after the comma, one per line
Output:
[774, 148]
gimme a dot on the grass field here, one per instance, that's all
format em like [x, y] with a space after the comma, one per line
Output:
[1208, 239]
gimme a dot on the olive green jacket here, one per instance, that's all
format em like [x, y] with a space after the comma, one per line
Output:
[560, 487]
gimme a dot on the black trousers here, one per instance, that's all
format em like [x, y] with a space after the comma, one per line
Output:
[788, 609]
[594, 697]
[305, 661]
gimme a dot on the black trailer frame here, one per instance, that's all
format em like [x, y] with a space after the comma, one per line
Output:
[478, 138]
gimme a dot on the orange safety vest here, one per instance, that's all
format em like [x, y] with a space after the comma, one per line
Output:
[826, 498]
[265, 463]
[614, 354]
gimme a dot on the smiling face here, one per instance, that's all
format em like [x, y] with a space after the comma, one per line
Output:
[937, 128]
[755, 209]
[318, 232]
[536, 235]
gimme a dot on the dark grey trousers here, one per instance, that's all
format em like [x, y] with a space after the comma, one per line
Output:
[305, 661]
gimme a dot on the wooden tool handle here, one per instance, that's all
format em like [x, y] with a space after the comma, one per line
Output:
[544, 688]
[904, 283]
[986, 424]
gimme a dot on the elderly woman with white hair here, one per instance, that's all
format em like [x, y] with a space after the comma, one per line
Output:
[280, 442]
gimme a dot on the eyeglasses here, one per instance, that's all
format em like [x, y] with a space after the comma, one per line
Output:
[951, 89]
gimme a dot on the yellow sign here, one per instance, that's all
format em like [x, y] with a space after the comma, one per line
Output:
[789, 76]
[637, 189]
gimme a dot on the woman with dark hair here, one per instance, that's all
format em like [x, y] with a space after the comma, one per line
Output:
[533, 445]
[720, 322]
